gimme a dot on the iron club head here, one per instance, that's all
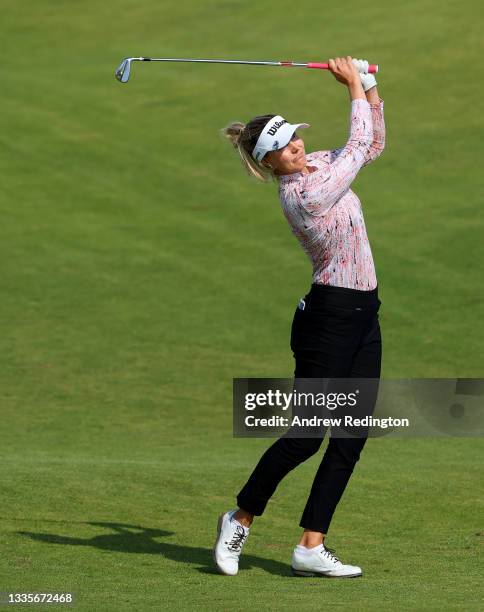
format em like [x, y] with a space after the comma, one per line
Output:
[123, 70]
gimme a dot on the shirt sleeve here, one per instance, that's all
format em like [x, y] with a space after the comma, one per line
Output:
[378, 143]
[318, 191]
[378, 120]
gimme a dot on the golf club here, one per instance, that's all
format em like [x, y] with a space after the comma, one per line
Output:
[124, 69]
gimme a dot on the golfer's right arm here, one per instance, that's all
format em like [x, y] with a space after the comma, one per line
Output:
[320, 190]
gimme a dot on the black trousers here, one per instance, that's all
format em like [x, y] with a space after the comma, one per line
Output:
[337, 334]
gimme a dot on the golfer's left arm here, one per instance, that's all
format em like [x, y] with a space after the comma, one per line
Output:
[376, 106]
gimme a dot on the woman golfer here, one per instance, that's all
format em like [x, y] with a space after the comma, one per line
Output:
[335, 331]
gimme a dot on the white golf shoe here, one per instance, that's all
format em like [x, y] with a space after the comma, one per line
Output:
[231, 536]
[320, 561]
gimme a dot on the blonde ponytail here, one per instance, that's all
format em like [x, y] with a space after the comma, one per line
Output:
[243, 138]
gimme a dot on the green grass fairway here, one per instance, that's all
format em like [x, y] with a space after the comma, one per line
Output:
[142, 270]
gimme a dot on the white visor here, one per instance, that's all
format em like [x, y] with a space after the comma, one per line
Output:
[275, 135]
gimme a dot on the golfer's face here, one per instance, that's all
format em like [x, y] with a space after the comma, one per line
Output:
[289, 159]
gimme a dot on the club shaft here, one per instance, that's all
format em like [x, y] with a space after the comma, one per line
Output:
[286, 64]
[214, 61]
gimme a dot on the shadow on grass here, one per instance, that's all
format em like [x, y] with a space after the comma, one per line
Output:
[136, 539]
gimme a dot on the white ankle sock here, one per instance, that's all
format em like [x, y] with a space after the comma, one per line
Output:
[304, 550]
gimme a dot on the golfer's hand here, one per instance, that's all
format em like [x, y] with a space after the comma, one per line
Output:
[344, 70]
[367, 80]
[361, 65]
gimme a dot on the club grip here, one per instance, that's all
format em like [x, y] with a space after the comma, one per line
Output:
[372, 68]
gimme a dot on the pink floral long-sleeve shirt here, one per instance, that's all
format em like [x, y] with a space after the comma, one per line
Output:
[325, 214]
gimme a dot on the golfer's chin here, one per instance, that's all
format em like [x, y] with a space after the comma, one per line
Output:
[295, 166]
